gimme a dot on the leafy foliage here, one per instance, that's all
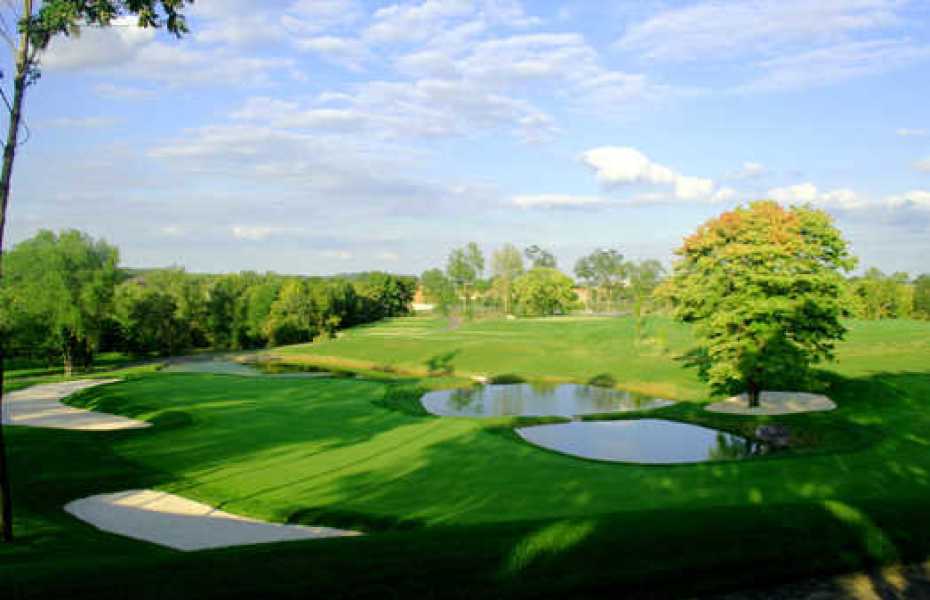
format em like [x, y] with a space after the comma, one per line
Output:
[880, 296]
[57, 293]
[539, 257]
[764, 287]
[438, 290]
[506, 266]
[602, 271]
[64, 297]
[544, 291]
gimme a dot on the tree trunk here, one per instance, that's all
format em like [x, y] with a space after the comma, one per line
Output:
[9, 153]
[6, 498]
[69, 360]
[754, 392]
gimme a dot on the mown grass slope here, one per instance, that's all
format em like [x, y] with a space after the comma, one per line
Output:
[463, 507]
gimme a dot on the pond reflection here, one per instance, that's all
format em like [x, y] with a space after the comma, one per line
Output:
[650, 441]
[537, 399]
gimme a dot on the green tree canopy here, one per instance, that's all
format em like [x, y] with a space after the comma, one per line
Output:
[544, 291]
[506, 266]
[922, 297]
[764, 286]
[438, 290]
[63, 285]
[642, 279]
[539, 257]
[880, 296]
[603, 271]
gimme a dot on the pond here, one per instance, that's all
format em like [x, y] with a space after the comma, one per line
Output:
[537, 400]
[649, 441]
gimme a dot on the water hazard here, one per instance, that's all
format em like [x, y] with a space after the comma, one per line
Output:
[649, 441]
[537, 400]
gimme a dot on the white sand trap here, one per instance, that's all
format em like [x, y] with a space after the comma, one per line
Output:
[182, 524]
[40, 406]
[774, 403]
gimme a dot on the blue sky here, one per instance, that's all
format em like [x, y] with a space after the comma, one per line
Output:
[321, 136]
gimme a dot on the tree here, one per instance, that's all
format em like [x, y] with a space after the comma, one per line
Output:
[603, 271]
[36, 30]
[438, 290]
[293, 315]
[642, 279]
[543, 291]
[149, 321]
[922, 297]
[506, 266]
[539, 257]
[64, 283]
[764, 287]
[880, 296]
[464, 267]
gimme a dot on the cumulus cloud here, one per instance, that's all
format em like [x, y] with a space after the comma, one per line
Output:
[97, 46]
[923, 165]
[616, 165]
[919, 199]
[347, 51]
[555, 201]
[808, 193]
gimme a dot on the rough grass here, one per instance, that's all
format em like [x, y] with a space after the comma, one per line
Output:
[461, 507]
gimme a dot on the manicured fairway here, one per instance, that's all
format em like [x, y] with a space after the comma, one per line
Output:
[458, 506]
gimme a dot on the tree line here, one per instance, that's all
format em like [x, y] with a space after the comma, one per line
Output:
[529, 282]
[64, 298]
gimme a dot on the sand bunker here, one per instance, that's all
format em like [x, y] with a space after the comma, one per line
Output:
[182, 524]
[40, 406]
[774, 403]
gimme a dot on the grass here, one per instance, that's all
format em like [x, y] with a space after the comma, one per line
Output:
[460, 507]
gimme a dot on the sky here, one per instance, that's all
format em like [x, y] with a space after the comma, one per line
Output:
[329, 136]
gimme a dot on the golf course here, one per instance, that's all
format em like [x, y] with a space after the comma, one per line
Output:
[453, 505]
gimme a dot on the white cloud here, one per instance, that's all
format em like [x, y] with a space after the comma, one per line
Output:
[750, 170]
[615, 165]
[427, 108]
[405, 23]
[337, 254]
[130, 51]
[724, 194]
[834, 63]
[253, 233]
[347, 51]
[923, 165]
[97, 46]
[807, 193]
[911, 132]
[737, 28]
[555, 201]
[919, 199]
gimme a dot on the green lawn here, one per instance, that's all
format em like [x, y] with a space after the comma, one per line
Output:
[462, 507]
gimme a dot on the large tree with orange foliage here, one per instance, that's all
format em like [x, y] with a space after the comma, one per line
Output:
[765, 289]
